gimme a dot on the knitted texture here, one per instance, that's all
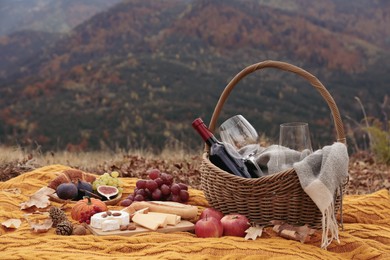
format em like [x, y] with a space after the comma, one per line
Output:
[366, 233]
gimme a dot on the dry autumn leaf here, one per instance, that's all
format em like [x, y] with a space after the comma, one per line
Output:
[253, 232]
[299, 233]
[12, 223]
[40, 227]
[39, 199]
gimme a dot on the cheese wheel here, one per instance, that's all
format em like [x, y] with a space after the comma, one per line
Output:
[185, 211]
[98, 219]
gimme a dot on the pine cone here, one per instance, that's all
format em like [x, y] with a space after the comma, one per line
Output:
[64, 228]
[57, 215]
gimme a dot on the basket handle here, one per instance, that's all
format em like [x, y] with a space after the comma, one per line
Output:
[287, 67]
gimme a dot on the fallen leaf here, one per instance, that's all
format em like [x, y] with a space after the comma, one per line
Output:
[40, 199]
[253, 232]
[299, 233]
[12, 223]
[40, 227]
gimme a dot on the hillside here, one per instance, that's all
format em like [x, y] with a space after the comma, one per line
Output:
[138, 74]
[54, 16]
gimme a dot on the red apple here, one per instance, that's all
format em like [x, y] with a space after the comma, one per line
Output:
[208, 227]
[211, 212]
[235, 225]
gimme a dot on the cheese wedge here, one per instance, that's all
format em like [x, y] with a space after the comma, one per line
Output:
[172, 219]
[152, 222]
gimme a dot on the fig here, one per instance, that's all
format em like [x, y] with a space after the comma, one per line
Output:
[84, 189]
[107, 191]
[67, 191]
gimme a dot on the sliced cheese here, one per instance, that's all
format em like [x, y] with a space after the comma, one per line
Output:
[172, 219]
[152, 222]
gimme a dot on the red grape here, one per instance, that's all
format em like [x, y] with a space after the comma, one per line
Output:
[159, 181]
[175, 189]
[140, 184]
[126, 202]
[184, 195]
[153, 173]
[176, 198]
[165, 190]
[139, 198]
[183, 186]
[148, 193]
[130, 197]
[156, 195]
[151, 185]
[167, 178]
[141, 192]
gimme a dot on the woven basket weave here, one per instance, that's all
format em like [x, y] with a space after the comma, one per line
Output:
[274, 197]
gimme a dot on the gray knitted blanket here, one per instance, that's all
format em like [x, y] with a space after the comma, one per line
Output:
[320, 173]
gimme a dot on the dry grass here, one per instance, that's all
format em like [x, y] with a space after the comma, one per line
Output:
[366, 176]
[183, 165]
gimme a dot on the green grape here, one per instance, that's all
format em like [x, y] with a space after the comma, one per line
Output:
[115, 174]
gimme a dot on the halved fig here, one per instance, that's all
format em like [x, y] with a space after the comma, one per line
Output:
[107, 191]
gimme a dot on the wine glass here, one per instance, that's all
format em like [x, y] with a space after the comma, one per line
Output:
[241, 136]
[238, 132]
[294, 144]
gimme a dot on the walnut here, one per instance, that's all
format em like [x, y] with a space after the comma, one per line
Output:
[71, 175]
[79, 230]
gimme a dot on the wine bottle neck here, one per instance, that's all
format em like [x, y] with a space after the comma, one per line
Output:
[204, 132]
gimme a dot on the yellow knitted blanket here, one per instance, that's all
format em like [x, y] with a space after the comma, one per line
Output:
[366, 233]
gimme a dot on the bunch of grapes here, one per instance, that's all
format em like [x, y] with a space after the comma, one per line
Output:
[160, 187]
[108, 179]
[85, 216]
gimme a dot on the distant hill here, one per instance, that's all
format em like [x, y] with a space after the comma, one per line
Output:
[55, 16]
[138, 74]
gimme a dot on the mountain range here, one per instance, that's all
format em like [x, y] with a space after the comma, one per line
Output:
[136, 73]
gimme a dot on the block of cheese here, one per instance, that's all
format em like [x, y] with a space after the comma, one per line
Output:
[110, 224]
[121, 217]
[152, 222]
[184, 210]
[172, 219]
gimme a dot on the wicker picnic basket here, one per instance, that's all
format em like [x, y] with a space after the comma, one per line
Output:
[274, 197]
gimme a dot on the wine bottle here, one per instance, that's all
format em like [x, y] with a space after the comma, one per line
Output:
[220, 155]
